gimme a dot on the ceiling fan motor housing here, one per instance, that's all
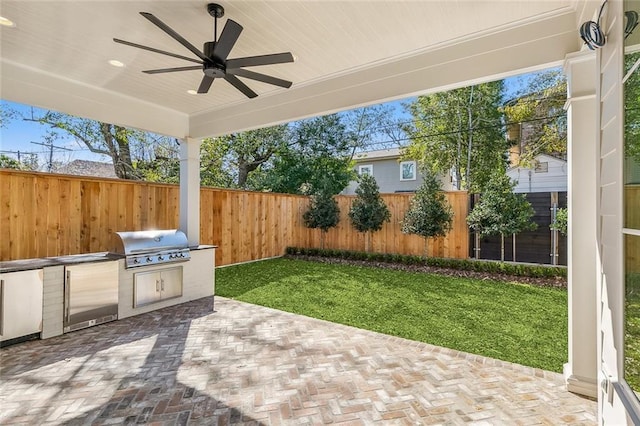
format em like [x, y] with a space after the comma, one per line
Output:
[214, 70]
[208, 49]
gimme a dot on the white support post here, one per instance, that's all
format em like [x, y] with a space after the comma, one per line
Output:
[190, 189]
[581, 371]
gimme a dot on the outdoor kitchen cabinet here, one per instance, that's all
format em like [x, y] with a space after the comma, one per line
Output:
[20, 304]
[158, 285]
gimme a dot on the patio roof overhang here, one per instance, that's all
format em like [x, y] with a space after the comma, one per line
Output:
[347, 54]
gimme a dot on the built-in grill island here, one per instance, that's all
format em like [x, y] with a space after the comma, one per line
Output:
[143, 271]
[147, 252]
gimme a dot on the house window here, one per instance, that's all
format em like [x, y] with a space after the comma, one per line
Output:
[365, 169]
[542, 167]
[408, 170]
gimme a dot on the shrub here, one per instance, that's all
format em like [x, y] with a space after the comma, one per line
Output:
[486, 266]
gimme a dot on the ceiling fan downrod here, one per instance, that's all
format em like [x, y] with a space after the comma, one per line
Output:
[216, 11]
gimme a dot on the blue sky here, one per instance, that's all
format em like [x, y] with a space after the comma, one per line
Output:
[18, 135]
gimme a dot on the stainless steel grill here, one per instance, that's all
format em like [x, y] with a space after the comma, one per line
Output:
[146, 248]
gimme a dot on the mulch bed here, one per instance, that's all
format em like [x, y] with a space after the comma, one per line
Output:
[556, 282]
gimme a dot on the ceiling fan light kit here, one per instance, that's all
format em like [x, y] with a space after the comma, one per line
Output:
[213, 60]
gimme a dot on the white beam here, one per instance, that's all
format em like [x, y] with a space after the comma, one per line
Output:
[190, 189]
[37, 88]
[581, 371]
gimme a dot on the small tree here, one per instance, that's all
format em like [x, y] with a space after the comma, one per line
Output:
[368, 211]
[500, 211]
[560, 222]
[323, 213]
[429, 214]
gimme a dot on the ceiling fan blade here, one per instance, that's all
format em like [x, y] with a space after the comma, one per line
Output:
[254, 61]
[163, 70]
[164, 27]
[151, 49]
[228, 38]
[205, 84]
[240, 86]
[259, 77]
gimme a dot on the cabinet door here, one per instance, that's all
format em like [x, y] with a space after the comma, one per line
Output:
[171, 283]
[92, 292]
[21, 304]
[146, 288]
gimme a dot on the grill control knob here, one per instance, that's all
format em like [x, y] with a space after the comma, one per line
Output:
[136, 260]
[149, 259]
[160, 258]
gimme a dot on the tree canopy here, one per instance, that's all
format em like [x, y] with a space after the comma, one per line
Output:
[459, 132]
[318, 155]
[118, 142]
[538, 117]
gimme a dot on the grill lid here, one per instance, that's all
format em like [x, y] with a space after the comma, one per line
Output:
[142, 242]
[147, 248]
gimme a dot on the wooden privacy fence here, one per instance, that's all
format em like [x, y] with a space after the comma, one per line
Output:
[52, 215]
[391, 240]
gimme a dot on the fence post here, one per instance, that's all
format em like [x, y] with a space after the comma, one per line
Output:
[476, 235]
[554, 232]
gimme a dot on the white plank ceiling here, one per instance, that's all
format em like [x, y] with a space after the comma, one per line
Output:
[346, 53]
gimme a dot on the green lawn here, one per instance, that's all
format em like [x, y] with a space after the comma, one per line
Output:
[512, 322]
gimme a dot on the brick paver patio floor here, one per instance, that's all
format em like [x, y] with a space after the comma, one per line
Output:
[253, 365]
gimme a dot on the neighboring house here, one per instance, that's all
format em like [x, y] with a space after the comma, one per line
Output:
[86, 168]
[391, 172]
[548, 175]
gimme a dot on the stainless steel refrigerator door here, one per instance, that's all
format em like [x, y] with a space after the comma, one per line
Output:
[91, 294]
[20, 304]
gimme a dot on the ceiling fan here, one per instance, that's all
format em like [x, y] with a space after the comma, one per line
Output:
[213, 60]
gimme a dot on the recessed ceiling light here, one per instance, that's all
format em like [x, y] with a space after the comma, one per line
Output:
[192, 92]
[116, 63]
[6, 22]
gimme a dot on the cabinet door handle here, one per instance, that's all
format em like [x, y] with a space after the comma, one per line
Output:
[67, 298]
[157, 285]
[162, 284]
[2, 307]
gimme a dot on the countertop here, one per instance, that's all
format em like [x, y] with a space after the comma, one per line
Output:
[27, 264]
[38, 263]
